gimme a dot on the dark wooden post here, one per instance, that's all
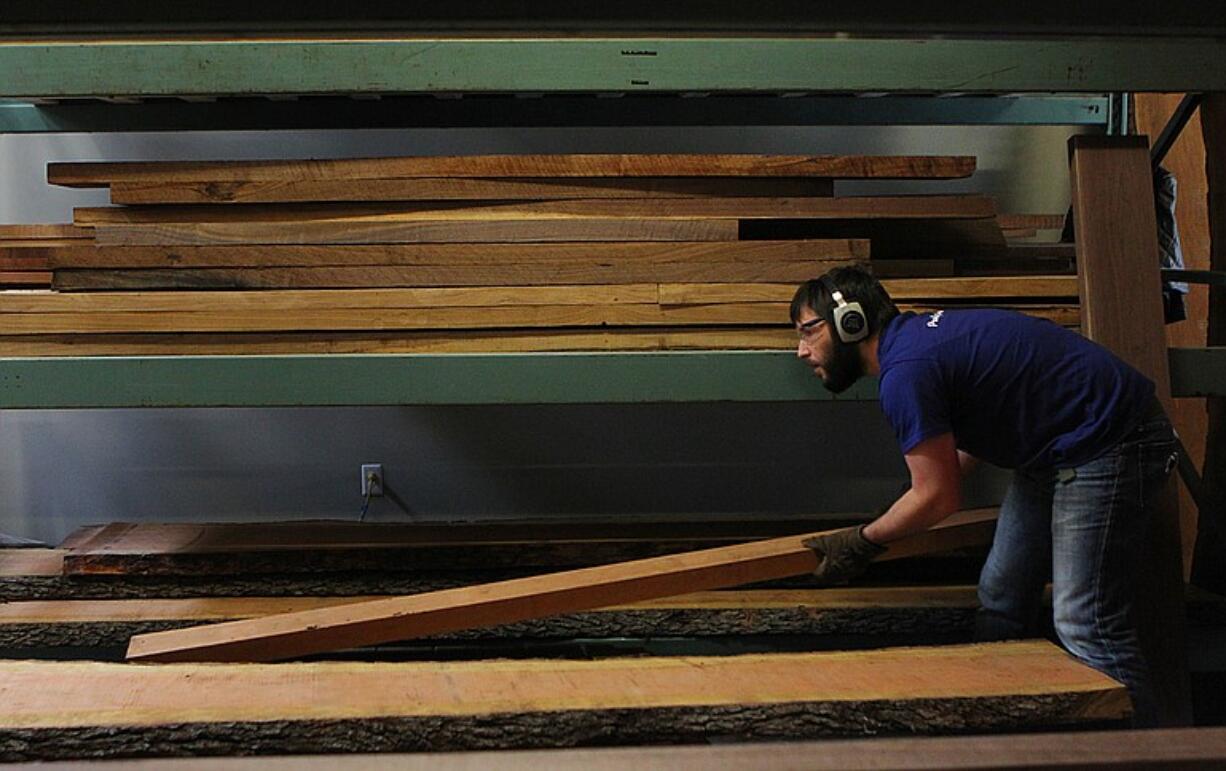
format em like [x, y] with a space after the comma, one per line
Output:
[1121, 308]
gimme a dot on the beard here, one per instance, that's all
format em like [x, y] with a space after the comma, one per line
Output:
[843, 369]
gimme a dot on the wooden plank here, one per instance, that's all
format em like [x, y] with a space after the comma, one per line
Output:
[42, 231]
[596, 165]
[1171, 748]
[296, 634]
[318, 299]
[489, 341]
[898, 615]
[27, 278]
[31, 562]
[283, 547]
[531, 274]
[452, 188]
[65, 708]
[1187, 160]
[1030, 221]
[1113, 215]
[255, 256]
[838, 208]
[332, 319]
[1208, 569]
[902, 289]
[418, 231]
[658, 332]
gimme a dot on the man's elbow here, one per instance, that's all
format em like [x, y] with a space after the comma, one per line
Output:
[941, 501]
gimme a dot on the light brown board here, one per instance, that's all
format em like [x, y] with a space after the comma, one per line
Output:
[899, 207]
[448, 189]
[113, 708]
[832, 166]
[451, 318]
[41, 231]
[488, 341]
[417, 231]
[297, 634]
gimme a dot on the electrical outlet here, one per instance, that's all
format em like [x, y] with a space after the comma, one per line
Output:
[372, 479]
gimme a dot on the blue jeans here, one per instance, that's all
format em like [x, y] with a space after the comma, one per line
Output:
[1085, 527]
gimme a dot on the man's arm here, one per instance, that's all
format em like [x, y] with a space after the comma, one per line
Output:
[936, 491]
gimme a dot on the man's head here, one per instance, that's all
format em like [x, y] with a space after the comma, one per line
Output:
[816, 310]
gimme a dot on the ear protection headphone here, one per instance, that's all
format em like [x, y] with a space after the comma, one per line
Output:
[849, 319]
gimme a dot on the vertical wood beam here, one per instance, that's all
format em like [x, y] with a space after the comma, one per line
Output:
[1121, 308]
[1209, 563]
[1186, 160]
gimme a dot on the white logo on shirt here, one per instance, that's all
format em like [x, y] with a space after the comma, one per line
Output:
[935, 319]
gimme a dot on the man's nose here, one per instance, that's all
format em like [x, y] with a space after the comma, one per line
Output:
[802, 350]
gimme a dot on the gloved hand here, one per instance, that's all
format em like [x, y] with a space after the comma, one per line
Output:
[842, 555]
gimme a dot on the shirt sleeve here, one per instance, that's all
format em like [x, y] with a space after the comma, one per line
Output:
[913, 398]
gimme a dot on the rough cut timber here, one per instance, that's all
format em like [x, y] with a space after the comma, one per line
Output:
[840, 208]
[828, 166]
[460, 189]
[67, 709]
[1172, 748]
[480, 255]
[886, 614]
[531, 274]
[451, 230]
[297, 634]
[124, 548]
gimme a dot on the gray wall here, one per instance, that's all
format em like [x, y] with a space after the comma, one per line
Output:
[61, 469]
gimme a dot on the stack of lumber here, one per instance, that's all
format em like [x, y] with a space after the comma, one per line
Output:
[67, 709]
[499, 253]
[24, 255]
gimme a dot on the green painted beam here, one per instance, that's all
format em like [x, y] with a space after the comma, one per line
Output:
[1198, 371]
[323, 112]
[332, 380]
[173, 67]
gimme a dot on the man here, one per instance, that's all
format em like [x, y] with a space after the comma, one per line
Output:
[1083, 432]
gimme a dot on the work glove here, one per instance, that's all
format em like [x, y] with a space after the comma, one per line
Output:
[842, 555]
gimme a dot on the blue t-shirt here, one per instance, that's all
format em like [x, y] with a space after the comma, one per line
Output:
[1016, 391]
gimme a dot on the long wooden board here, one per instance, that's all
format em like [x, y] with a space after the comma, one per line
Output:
[595, 165]
[841, 208]
[297, 634]
[901, 615]
[461, 189]
[452, 318]
[900, 289]
[34, 232]
[418, 231]
[328, 545]
[904, 290]
[487, 341]
[1113, 215]
[530, 274]
[58, 708]
[485, 255]
[1171, 748]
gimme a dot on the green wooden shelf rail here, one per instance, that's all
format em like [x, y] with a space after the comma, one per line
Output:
[519, 378]
[138, 67]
